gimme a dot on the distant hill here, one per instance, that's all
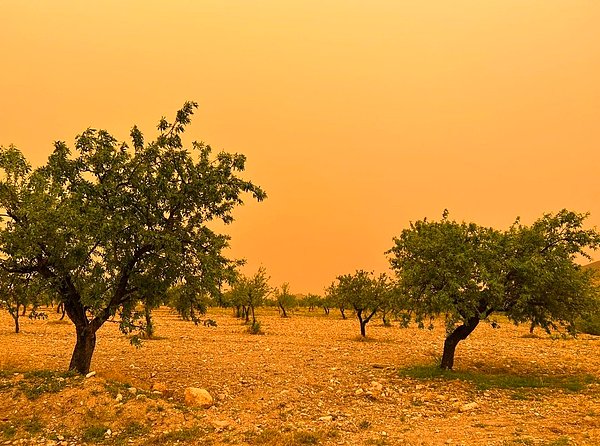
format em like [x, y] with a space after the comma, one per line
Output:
[594, 265]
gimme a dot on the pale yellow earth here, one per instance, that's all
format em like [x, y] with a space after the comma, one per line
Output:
[307, 380]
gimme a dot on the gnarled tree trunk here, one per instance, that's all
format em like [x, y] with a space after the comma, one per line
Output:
[283, 310]
[84, 349]
[461, 332]
[16, 318]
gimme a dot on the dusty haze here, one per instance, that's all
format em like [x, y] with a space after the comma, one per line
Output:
[356, 117]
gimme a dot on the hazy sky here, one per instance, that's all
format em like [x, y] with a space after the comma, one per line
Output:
[356, 116]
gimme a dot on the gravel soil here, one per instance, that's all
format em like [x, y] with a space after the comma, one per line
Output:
[308, 379]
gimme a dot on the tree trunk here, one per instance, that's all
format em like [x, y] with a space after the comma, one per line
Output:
[84, 349]
[283, 310]
[385, 319]
[363, 323]
[452, 340]
[16, 318]
[363, 328]
[149, 323]
[253, 317]
[342, 310]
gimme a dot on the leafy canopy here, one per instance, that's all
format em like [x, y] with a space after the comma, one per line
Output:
[465, 271]
[107, 225]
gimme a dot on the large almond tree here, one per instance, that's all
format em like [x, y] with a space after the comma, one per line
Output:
[465, 272]
[108, 226]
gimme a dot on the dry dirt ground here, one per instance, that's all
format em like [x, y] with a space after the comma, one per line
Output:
[307, 380]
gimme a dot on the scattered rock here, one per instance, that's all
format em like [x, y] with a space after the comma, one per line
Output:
[132, 390]
[197, 397]
[119, 397]
[378, 387]
[326, 418]
[89, 375]
[221, 425]
[468, 407]
[359, 392]
[159, 387]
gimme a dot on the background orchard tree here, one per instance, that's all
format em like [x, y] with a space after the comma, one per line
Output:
[335, 299]
[13, 297]
[327, 303]
[106, 226]
[285, 299]
[19, 293]
[250, 293]
[466, 272]
[362, 292]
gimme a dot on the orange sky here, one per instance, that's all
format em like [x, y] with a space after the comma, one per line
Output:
[356, 116]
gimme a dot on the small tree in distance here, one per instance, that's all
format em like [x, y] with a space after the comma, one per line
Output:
[250, 292]
[466, 272]
[285, 300]
[362, 292]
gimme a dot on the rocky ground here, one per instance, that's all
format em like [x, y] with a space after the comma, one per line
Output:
[307, 380]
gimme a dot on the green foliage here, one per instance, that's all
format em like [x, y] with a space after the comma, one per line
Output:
[542, 282]
[589, 324]
[484, 381]
[33, 425]
[7, 430]
[448, 268]
[37, 383]
[181, 435]
[310, 301]
[188, 303]
[271, 437]
[93, 433]
[106, 226]
[255, 328]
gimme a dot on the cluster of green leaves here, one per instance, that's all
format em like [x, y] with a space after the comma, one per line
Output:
[462, 270]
